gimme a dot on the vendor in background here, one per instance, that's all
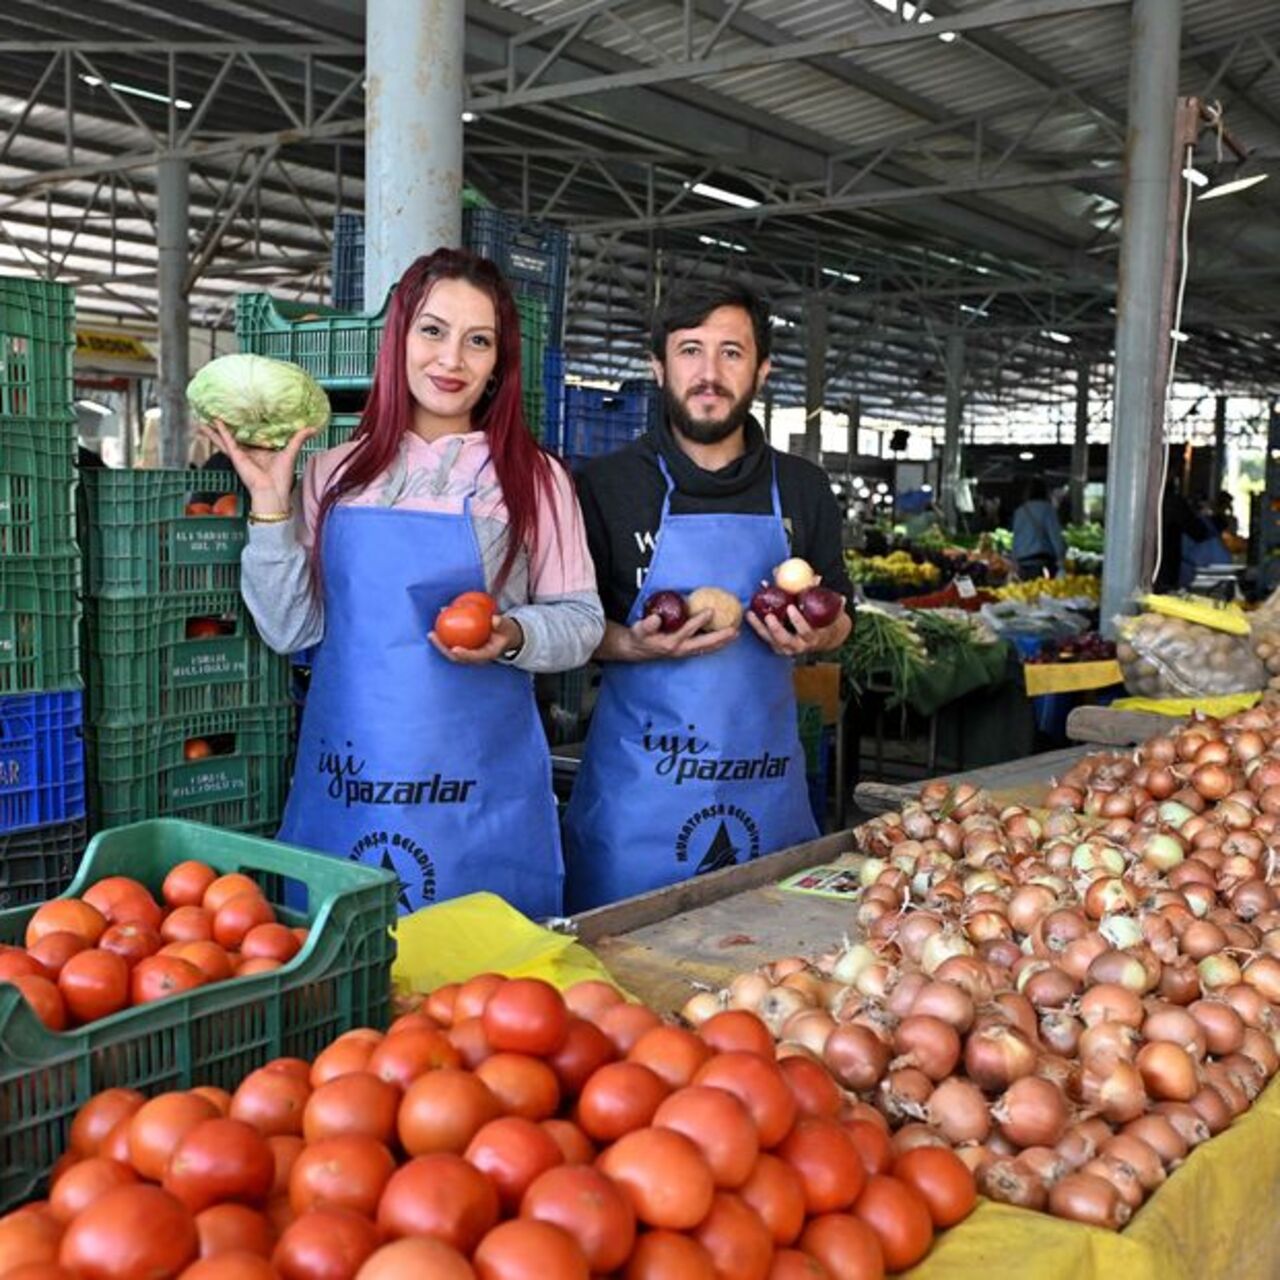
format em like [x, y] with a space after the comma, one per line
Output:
[1038, 543]
[693, 761]
[413, 756]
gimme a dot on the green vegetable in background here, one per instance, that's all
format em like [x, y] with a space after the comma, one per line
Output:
[263, 402]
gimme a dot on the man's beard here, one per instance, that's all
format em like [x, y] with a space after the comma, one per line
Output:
[706, 430]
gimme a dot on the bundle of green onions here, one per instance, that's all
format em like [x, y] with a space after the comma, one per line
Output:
[884, 648]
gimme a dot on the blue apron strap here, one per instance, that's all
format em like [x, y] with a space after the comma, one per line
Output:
[773, 485]
[671, 485]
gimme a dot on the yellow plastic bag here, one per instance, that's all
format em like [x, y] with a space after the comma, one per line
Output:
[481, 933]
[1227, 705]
[1207, 613]
[1070, 677]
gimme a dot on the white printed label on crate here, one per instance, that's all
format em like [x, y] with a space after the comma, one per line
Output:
[965, 588]
[221, 660]
[208, 781]
[206, 540]
[528, 266]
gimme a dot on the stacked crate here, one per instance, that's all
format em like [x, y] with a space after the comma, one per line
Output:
[42, 795]
[188, 710]
[598, 422]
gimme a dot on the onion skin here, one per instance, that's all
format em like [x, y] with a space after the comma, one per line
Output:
[1009, 1182]
[1168, 1072]
[994, 1057]
[856, 1056]
[929, 1044]
[1161, 1135]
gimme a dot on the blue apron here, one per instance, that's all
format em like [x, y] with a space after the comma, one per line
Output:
[691, 764]
[437, 771]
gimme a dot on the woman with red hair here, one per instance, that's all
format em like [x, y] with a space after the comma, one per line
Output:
[414, 756]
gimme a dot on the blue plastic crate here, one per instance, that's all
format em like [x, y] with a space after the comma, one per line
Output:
[347, 291]
[553, 394]
[599, 422]
[533, 256]
[41, 759]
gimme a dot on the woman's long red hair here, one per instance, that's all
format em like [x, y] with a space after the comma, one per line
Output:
[523, 468]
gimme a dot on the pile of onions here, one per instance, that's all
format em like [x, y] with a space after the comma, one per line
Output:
[1072, 999]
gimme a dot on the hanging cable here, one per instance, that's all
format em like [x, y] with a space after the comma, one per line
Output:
[1184, 266]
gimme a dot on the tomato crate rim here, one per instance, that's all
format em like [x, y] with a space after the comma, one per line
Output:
[174, 1042]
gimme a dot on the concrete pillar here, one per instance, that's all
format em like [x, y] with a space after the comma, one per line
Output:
[173, 310]
[951, 443]
[815, 375]
[1080, 446]
[1219, 445]
[413, 135]
[1136, 431]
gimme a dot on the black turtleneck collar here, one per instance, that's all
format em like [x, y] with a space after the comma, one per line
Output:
[741, 474]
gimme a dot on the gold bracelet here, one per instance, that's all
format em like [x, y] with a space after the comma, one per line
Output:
[273, 517]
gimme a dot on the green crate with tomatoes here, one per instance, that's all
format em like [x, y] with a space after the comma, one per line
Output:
[159, 656]
[229, 768]
[215, 1033]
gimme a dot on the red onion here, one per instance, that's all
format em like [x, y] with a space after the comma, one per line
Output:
[1082, 1197]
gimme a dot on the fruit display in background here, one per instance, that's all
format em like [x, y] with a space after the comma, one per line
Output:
[1090, 647]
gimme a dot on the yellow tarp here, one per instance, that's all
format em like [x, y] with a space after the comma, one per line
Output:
[479, 933]
[1226, 705]
[1070, 677]
[1208, 613]
[1214, 1219]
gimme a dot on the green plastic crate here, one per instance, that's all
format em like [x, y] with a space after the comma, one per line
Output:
[37, 345]
[340, 429]
[141, 542]
[217, 1034]
[142, 771]
[39, 623]
[37, 481]
[150, 658]
[337, 348]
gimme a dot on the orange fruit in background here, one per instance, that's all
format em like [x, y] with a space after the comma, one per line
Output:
[196, 749]
[227, 505]
[199, 509]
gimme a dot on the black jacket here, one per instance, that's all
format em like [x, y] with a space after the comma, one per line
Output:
[622, 505]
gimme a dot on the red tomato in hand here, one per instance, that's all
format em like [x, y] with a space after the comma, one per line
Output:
[480, 599]
[463, 626]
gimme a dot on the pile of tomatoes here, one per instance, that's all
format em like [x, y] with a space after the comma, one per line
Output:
[89, 957]
[466, 622]
[500, 1131]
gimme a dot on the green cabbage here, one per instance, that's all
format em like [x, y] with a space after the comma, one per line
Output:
[263, 402]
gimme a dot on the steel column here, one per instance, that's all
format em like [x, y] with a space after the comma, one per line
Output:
[1080, 447]
[1136, 433]
[951, 460]
[1219, 445]
[172, 308]
[815, 375]
[413, 152]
